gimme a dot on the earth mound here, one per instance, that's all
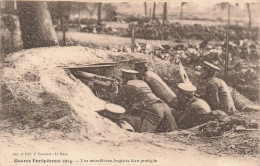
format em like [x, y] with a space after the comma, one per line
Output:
[36, 93]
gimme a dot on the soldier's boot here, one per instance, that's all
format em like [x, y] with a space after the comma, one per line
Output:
[126, 126]
[132, 120]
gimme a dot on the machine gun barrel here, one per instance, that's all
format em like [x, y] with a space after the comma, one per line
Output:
[100, 80]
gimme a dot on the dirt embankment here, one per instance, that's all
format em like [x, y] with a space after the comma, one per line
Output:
[38, 94]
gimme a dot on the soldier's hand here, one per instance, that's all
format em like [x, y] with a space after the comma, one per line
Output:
[114, 88]
[197, 95]
[118, 79]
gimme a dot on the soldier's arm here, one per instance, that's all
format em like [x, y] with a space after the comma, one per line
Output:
[212, 96]
[183, 117]
[186, 114]
[185, 121]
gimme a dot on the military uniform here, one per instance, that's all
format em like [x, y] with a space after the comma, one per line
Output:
[218, 95]
[160, 88]
[196, 112]
[145, 111]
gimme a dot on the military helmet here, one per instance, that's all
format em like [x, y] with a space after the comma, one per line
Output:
[140, 64]
[187, 88]
[114, 108]
[129, 72]
[128, 75]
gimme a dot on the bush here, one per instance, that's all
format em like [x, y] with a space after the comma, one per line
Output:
[139, 20]
[174, 31]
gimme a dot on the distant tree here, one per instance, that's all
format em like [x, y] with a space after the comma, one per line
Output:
[99, 13]
[110, 11]
[249, 15]
[181, 13]
[36, 24]
[228, 13]
[79, 9]
[9, 7]
[154, 16]
[223, 6]
[63, 14]
[164, 18]
[164, 12]
[145, 9]
[90, 8]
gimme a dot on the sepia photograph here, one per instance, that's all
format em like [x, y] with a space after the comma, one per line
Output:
[129, 83]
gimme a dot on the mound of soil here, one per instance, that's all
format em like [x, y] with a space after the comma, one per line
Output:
[39, 94]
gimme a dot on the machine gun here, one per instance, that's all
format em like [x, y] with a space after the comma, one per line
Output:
[88, 78]
[102, 69]
[100, 78]
[101, 86]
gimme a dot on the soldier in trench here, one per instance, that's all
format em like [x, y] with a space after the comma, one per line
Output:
[145, 112]
[217, 92]
[194, 111]
[157, 85]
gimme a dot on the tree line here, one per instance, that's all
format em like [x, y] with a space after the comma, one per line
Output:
[37, 27]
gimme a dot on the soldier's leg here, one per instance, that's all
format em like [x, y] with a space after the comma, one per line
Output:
[168, 116]
[151, 124]
[134, 121]
[166, 121]
[147, 121]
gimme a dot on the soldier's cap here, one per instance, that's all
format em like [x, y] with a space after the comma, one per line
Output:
[187, 87]
[129, 72]
[211, 66]
[140, 63]
[114, 108]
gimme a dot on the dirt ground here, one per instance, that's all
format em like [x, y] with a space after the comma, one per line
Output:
[136, 147]
[45, 109]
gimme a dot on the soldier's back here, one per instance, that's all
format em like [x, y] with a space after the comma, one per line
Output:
[224, 94]
[199, 106]
[139, 91]
[197, 112]
[160, 88]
